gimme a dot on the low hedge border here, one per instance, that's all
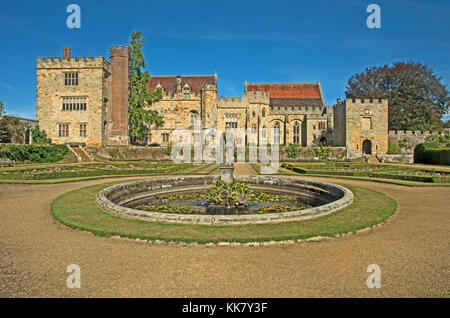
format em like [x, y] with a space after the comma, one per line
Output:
[378, 175]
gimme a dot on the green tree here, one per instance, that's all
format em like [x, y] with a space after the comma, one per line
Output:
[2, 109]
[39, 137]
[4, 133]
[15, 128]
[141, 118]
[417, 97]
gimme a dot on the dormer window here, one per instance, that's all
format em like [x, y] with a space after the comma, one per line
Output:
[186, 91]
[159, 87]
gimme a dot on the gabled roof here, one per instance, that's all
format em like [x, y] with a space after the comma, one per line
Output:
[169, 83]
[288, 90]
[290, 94]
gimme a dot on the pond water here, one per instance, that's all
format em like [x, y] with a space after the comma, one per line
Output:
[197, 204]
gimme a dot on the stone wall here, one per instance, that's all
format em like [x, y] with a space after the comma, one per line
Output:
[404, 158]
[410, 139]
[51, 89]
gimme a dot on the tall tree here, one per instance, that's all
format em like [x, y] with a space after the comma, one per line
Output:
[141, 118]
[417, 97]
[4, 132]
[2, 109]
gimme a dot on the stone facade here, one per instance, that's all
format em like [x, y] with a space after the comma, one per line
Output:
[290, 113]
[362, 126]
[89, 86]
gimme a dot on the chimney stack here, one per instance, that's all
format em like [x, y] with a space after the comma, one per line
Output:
[66, 53]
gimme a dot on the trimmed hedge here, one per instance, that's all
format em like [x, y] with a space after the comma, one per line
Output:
[430, 153]
[34, 153]
[382, 175]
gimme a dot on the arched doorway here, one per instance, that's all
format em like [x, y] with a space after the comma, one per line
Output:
[367, 147]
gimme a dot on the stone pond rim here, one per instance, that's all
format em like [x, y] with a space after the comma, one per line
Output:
[329, 198]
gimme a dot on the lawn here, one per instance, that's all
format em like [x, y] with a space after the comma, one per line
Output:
[394, 174]
[74, 172]
[78, 210]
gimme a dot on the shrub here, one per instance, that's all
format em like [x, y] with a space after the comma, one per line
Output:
[34, 153]
[40, 137]
[437, 156]
[238, 192]
[394, 149]
[169, 149]
[420, 152]
[442, 140]
[323, 152]
[114, 153]
[293, 151]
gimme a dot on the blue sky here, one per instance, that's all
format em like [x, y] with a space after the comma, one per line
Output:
[257, 41]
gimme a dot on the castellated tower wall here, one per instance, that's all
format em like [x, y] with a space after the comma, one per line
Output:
[70, 94]
[117, 125]
[246, 99]
[366, 124]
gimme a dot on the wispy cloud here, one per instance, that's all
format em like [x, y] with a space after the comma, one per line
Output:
[282, 38]
[7, 86]
[425, 6]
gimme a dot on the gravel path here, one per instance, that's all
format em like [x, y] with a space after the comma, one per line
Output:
[35, 250]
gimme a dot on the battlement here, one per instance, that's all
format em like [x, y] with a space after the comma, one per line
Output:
[231, 102]
[118, 51]
[245, 99]
[72, 62]
[408, 133]
[257, 97]
[367, 101]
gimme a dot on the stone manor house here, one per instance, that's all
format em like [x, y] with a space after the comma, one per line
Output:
[84, 101]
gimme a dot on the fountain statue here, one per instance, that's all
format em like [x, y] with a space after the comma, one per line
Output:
[226, 165]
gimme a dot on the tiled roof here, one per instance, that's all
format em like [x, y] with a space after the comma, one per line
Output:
[287, 90]
[169, 83]
[290, 94]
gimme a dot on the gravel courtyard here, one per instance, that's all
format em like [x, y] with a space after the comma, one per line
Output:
[412, 250]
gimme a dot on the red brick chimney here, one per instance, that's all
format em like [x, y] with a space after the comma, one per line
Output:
[66, 53]
[119, 58]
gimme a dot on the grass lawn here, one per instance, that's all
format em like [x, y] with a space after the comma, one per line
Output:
[50, 174]
[385, 173]
[78, 210]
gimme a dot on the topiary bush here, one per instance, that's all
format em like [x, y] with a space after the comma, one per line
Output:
[393, 149]
[420, 155]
